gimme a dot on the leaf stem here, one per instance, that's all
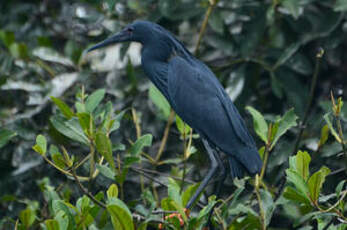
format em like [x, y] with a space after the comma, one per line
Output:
[166, 134]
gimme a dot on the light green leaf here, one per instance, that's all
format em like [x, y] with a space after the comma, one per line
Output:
[188, 193]
[316, 181]
[303, 160]
[94, 100]
[41, 145]
[174, 191]
[120, 217]
[104, 147]
[259, 123]
[5, 136]
[112, 191]
[70, 128]
[52, 224]
[286, 122]
[27, 217]
[63, 107]
[324, 135]
[182, 127]
[332, 130]
[145, 140]
[160, 101]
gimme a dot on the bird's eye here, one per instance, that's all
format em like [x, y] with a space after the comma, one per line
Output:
[130, 30]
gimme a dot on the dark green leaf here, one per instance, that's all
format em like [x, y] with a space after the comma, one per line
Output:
[340, 5]
[106, 171]
[286, 122]
[5, 136]
[303, 160]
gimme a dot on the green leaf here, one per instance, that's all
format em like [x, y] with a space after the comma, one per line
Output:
[41, 145]
[87, 123]
[295, 178]
[112, 191]
[5, 136]
[160, 101]
[106, 171]
[288, 53]
[316, 181]
[19, 50]
[121, 219]
[70, 128]
[60, 205]
[94, 100]
[303, 160]
[259, 123]
[145, 140]
[63, 107]
[216, 21]
[286, 122]
[324, 135]
[339, 188]
[174, 191]
[52, 224]
[59, 160]
[7, 37]
[332, 130]
[104, 147]
[27, 217]
[340, 5]
[182, 127]
[188, 193]
[292, 194]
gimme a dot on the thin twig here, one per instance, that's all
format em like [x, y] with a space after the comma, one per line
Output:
[261, 208]
[204, 24]
[166, 134]
[86, 192]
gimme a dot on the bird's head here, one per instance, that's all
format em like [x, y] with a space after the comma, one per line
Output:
[138, 31]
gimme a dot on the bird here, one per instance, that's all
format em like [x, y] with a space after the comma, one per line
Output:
[196, 95]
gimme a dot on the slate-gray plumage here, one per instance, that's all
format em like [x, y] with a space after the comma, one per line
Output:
[196, 95]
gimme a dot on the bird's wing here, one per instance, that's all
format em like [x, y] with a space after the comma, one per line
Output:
[195, 96]
[199, 99]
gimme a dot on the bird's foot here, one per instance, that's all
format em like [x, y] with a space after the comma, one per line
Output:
[175, 215]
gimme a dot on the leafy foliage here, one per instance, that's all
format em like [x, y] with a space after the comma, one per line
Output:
[101, 164]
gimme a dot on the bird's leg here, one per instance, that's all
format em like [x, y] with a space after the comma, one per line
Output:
[211, 172]
[223, 174]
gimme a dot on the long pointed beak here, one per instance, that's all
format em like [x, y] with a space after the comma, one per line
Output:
[119, 37]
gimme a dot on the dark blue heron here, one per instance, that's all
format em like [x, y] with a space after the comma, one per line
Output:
[196, 96]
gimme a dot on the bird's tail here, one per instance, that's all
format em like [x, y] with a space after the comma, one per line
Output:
[252, 165]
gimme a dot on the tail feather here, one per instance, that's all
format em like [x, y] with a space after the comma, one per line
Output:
[250, 163]
[236, 169]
